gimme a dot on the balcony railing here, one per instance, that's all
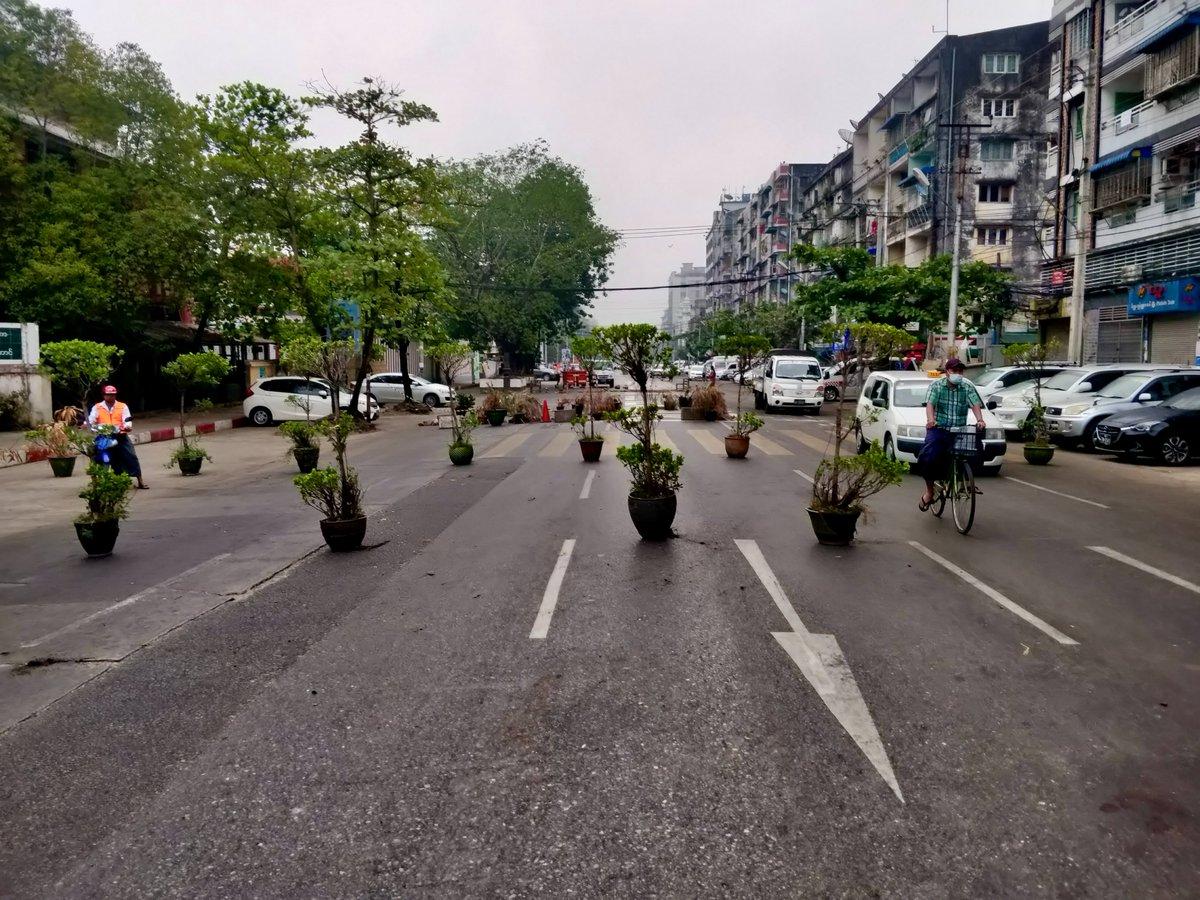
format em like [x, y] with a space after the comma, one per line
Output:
[1175, 65]
[1146, 20]
[896, 226]
[1129, 119]
[1130, 185]
[919, 217]
[898, 153]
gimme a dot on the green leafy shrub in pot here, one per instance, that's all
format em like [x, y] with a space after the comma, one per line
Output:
[191, 372]
[746, 424]
[106, 495]
[337, 499]
[303, 435]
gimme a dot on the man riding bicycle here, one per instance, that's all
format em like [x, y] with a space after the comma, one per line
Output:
[945, 408]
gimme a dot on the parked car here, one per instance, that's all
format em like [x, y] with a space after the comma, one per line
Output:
[696, 371]
[834, 383]
[1012, 404]
[1073, 420]
[729, 371]
[990, 380]
[891, 410]
[605, 374]
[285, 398]
[789, 382]
[388, 387]
[1170, 432]
[546, 373]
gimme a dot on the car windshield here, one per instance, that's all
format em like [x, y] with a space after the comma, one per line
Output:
[1062, 381]
[1123, 386]
[983, 376]
[797, 370]
[1186, 400]
[910, 393]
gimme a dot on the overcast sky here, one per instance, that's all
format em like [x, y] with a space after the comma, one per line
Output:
[662, 103]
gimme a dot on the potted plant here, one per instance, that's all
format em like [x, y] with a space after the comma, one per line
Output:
[306, 443]
[191, 372]
[463, 401]
[453, 357]
[494, 407]
[107, 499]
[78, 366]
[60, 441]
[670, 402]
[654, 470]
[685, 399]
[708, 403]
[563, 413]
[1038, 449]
[588, 350]
[843, 483]
[334, 490]
[750, 349]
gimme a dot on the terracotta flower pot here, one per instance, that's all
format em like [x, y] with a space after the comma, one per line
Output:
[834, 528]
[343, 535]
[591, 449]
[652, 516]
[737, 446]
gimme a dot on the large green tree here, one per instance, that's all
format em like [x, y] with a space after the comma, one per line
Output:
[526, 251]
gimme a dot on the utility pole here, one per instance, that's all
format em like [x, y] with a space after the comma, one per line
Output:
[1083, 232]
[962, 152]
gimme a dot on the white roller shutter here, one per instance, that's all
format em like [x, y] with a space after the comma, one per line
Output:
[1173, 338]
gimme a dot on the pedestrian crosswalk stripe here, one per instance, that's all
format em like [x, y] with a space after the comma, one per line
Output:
[559, 445]
[661, 438]
[819, 444]
[768, 446]
[507, 446]
[708, 441]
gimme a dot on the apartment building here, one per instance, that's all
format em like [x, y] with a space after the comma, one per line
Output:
[829, 217]
[684, 294]
[968, 118]
[720, 247]
[1141, 148]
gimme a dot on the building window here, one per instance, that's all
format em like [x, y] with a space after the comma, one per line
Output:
[999, 109]
[991, 237]
[995, 193]
[1001, 63]
[995, 150]
[1079, 36]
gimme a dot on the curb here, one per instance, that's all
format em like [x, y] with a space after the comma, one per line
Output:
[141, 437]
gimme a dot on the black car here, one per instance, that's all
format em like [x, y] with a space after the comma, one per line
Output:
[1169, 432]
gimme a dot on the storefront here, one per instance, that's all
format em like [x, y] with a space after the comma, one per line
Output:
[1170, 313]
[1111, 334]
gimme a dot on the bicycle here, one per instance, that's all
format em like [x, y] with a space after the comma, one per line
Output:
[959, 487]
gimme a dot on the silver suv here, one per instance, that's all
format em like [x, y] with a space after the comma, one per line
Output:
[1073, 419]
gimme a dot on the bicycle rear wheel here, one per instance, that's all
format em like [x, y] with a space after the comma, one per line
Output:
[963, 496]
[938, 504]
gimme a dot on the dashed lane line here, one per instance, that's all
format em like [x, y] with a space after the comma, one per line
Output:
[1014, 608]
[806, 477]
[1038, 487]
[587, 485]
[507, 446]
[559, 444]
[1147, 568]
[541, 625]
[708, 441]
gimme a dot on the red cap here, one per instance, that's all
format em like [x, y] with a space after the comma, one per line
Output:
[109, 389]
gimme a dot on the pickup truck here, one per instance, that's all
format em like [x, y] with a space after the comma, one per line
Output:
[789, 382]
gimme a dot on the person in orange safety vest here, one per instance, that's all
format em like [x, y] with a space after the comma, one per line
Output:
[111, 411]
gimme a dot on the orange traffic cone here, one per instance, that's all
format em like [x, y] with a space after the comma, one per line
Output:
[545, 411]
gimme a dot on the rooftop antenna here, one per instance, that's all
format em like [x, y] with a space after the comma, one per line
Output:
[937, 30]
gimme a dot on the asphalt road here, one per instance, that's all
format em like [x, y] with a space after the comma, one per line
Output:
[1008, 713]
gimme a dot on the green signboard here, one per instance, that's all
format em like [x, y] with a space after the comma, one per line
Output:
[10, 344]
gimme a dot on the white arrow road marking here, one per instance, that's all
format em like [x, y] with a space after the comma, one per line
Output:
[541, 625]
[823, 663]
[1014, 608]
[1146, 567]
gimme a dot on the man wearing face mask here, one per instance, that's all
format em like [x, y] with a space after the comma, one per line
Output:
[945, 408]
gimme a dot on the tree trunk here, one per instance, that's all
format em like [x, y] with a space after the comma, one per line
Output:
[403, 348]
[364, 367]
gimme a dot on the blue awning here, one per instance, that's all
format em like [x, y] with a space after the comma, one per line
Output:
[1121, 156]
[1164, 35]
[894, 119]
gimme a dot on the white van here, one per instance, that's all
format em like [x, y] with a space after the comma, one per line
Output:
[789, 382]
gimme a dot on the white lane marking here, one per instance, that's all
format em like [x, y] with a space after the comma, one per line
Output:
[541, 625]
[663, 440]
[1146, 567]
[708, 441]
[807, 478]
[1014, 608]
[1038, 487]
[823, 664]
[587, 485]
[128, 601]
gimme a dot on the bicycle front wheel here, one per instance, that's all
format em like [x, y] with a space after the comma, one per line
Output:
[963, 497]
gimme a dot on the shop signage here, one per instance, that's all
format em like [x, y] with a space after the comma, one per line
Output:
[10, 344]
[1173, 296]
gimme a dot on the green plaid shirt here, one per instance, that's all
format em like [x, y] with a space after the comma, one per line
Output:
[951, 403]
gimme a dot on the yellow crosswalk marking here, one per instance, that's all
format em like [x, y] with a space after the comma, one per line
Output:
[768, 446]
[708, 441]
[820, 444]
[507, 446]
[560, 444]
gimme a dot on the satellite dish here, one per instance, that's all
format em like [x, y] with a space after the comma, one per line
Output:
[846, 135]
[921, 177]
[854, 125]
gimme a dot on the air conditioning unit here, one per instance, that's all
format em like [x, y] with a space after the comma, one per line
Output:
[1132, 272]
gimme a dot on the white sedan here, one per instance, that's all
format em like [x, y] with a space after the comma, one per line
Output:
[891, 410]
[388, 387]
[286, 398]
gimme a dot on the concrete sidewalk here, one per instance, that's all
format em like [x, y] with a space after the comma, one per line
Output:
[149, 428]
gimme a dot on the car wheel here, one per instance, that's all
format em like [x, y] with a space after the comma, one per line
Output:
[760, 402]
[431, 400]
[889, 449]
[1175, 450]
[260, 415]
[831, 393]
[1088, 441]
[863, 446]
